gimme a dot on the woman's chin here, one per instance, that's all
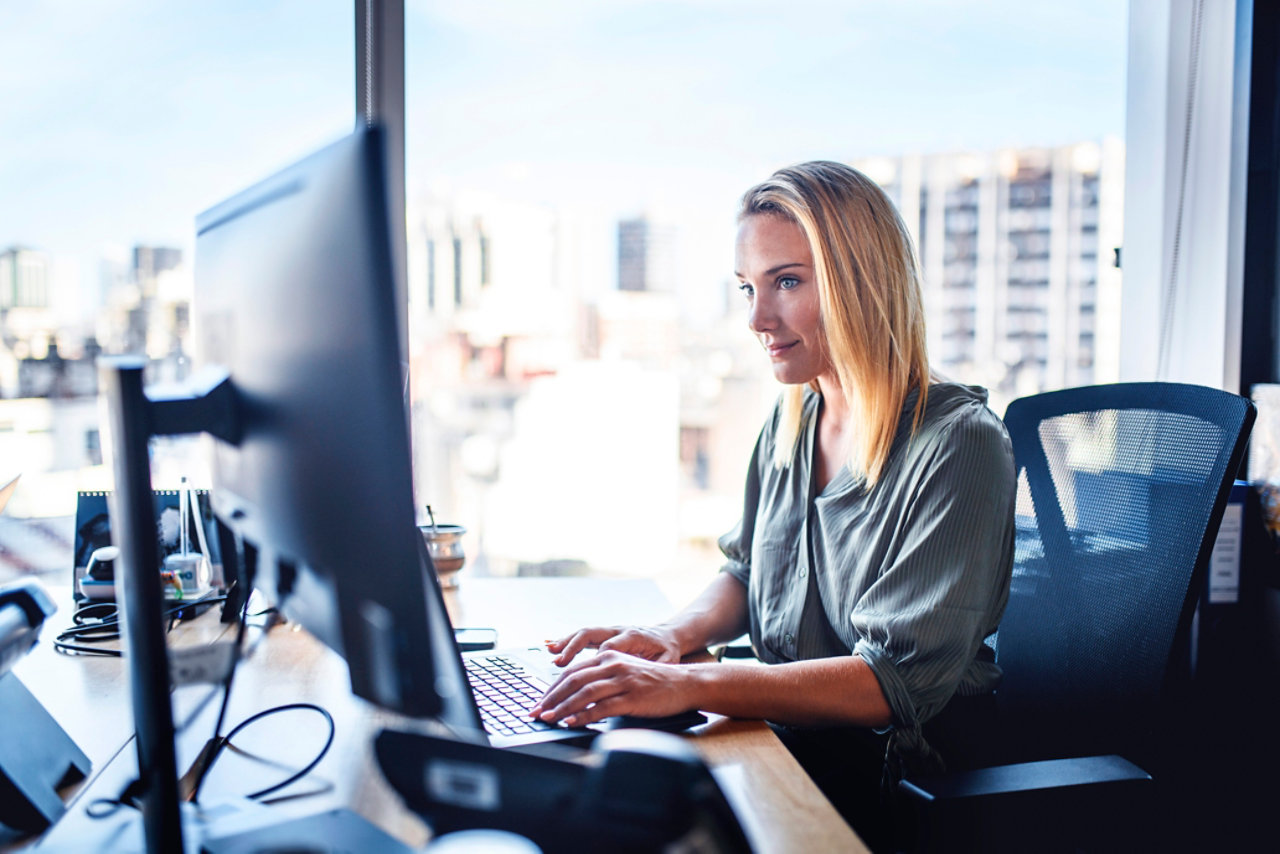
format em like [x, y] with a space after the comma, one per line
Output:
[788, 375]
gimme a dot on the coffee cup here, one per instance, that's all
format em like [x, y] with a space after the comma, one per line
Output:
[444, 544]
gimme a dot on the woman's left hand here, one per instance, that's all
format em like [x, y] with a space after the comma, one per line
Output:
[614, 683]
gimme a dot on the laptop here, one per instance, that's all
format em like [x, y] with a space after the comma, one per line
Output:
[487, 694]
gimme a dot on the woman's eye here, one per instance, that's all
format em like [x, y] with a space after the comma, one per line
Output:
[747, 290]
[788, 282]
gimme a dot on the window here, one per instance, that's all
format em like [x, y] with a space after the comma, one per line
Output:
[604, 148]
[121, 123]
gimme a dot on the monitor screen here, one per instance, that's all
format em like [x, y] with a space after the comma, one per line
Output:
[295, 299]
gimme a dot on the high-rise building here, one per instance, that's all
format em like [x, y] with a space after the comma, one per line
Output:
[646, 256]
[24, 279]
[149, 262]
[1017, 252]
[144, 315]
[457, 262]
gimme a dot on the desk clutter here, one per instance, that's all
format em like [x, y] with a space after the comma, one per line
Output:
[185, 532]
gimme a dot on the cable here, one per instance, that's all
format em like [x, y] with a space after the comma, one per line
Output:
[217, 689]
[241, 628]
[89, 627]
[221, 744]
[104, 807]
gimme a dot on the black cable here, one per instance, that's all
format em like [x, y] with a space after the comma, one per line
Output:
[89, 627]
[231, 672]
[104, 807]
[223, 743]
[221, 687]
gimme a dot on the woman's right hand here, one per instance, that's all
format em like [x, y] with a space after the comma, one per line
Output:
[654, 643]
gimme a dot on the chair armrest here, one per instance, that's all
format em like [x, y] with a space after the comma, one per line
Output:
[1090, 802]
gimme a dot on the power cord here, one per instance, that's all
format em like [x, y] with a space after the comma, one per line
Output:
[100, 621]
[193, 780]
[216, 746]
[105, 807]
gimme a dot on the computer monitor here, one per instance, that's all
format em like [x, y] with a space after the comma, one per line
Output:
[295, 301]
[300, 380]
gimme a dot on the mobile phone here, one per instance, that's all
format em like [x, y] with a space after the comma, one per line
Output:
[470, 640]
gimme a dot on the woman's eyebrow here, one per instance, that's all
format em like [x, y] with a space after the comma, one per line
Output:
[773, 271]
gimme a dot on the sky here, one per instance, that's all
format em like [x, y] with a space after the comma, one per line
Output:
[120, 121]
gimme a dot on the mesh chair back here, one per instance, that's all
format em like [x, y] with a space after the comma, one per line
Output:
[1120, 492]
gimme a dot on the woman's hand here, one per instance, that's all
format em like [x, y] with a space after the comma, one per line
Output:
[616, 683]
[652, 643]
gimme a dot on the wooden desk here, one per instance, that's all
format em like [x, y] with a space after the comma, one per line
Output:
[778, 805]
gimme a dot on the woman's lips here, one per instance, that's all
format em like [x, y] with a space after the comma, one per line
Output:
[775, 350]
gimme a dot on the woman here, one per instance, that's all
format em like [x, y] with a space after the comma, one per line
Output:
[876, 543]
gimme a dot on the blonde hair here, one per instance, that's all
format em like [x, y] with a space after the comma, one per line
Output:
[871, 306]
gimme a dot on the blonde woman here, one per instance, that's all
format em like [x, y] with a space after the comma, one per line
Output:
[872, 561]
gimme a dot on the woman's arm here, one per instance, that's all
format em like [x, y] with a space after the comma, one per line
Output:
[719, 614]
[825, 691]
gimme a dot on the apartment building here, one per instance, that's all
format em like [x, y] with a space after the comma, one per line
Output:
[1018, 249]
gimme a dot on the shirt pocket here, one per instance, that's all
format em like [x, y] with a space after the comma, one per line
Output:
[773, 565]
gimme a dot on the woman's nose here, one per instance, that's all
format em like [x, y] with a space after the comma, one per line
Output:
[760, 315]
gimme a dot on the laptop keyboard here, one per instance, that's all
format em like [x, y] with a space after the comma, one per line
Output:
[505, 692]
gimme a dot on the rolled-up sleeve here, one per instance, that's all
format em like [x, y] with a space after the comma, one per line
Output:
[921, 623]
[736, 545]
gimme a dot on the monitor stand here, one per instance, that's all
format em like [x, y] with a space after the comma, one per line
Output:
[133, 418]
[37, 758]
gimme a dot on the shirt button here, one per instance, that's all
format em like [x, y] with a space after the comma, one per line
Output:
[788, 638]
[804, 570]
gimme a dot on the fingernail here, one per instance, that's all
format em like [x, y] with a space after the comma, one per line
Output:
[572, 720]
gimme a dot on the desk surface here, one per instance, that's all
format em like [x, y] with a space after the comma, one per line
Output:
[778, 805]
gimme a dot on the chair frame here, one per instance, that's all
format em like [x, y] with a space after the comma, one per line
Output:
[993, 809]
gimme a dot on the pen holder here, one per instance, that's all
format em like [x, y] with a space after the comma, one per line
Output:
[444, 544]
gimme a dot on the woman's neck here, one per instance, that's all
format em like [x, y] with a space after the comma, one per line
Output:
[834, 404]
[833, 433]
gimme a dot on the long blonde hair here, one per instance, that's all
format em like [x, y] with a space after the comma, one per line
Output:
[869, 292]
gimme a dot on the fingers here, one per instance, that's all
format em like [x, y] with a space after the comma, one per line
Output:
[581, 684]
[568, 648]
[608, 707]
[579, 701]
[646, 643]
[609, 684]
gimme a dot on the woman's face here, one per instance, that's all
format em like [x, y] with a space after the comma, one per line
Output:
[775, 268]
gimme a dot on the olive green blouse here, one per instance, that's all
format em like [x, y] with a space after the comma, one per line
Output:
[912, 576]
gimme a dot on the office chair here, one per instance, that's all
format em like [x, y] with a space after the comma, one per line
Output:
[1120, 492]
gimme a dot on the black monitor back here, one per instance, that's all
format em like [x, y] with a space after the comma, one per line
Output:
[294, 297]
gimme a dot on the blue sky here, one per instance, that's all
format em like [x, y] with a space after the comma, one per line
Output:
[120, 121]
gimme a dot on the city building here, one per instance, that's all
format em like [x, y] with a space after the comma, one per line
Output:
[1018, 254]
[647, 256]
[24, 279]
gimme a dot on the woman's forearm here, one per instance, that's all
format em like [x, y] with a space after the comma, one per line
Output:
[821, 692]
[718, 615]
